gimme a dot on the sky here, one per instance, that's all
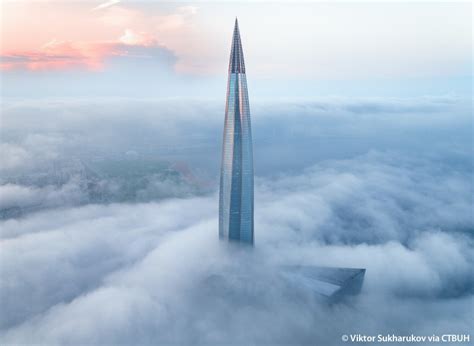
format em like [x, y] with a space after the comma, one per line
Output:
[167, 49]
[110, 143]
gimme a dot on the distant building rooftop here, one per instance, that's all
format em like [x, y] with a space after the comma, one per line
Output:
[326, 284]
[330, 283]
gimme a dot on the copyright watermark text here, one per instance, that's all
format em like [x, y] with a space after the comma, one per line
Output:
[460, 338]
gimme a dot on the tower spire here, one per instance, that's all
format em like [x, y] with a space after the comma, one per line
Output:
[236, 63]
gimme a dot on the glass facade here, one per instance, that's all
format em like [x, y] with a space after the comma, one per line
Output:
[236, 181]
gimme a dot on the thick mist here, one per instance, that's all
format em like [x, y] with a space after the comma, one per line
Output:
[109, 220]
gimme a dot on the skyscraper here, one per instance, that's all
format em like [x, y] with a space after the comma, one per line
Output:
[236, 181]
[328, 284]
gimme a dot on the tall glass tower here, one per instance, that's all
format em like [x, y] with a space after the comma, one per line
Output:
[236, 182]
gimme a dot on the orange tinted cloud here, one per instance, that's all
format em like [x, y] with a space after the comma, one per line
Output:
[85, 36]
[58, 55]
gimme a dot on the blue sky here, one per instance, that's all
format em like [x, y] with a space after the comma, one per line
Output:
[152, 49]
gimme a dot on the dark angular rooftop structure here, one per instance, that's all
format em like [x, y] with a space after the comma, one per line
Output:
[327, 283]
[246, 285]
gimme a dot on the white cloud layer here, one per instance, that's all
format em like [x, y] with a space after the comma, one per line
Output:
[400, 205]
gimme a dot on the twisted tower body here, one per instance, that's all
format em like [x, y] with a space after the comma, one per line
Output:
[236, 181]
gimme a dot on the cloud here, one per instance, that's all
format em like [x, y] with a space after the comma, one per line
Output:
[188, 10]
[13, 156]
[25, 198]
[385, 47]
[382, 184]
[89, 55]
[63, 231]
[106, 5]
[139, 39]
[52, 141]
[134, 273]
[63, 182]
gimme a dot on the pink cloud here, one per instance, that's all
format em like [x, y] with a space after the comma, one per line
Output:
[133, 38]
[60, 55]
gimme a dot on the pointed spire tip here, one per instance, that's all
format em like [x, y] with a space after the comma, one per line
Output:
[236, 55]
